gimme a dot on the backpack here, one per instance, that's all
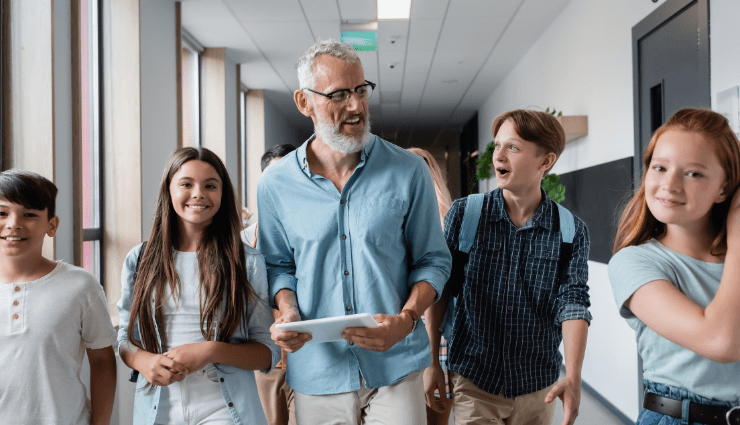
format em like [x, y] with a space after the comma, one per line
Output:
[134, 376]
[466, 237]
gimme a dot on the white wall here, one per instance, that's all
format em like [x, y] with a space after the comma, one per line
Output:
[724, 17]
[158, 99]
[582, 64]
[278, 130]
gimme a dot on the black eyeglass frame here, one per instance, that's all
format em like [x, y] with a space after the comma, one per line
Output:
[331, 95]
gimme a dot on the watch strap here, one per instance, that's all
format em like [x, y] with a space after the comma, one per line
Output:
[414, 317]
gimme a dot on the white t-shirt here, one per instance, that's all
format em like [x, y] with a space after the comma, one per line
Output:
[249, 235]
[664, 361]
[45, 326]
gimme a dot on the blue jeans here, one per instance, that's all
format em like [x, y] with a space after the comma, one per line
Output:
[648, 417]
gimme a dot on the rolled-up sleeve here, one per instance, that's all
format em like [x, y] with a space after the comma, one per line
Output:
[272, 241]
[573, 298]
[430, 259]
[127, 295]
[260, 314]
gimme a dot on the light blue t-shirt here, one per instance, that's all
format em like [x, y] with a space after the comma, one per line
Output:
[663, 360]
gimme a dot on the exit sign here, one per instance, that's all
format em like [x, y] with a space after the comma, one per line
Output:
[362, 41]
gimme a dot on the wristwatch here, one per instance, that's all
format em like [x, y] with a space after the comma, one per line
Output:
[414, 317]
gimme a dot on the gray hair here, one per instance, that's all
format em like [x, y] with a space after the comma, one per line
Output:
[306, 65]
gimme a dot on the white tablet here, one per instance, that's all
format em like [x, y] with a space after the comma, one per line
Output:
[329, 328]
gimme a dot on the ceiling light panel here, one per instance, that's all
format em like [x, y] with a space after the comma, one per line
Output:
[394, 9]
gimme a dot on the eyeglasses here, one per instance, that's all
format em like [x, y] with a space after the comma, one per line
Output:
[338, 97]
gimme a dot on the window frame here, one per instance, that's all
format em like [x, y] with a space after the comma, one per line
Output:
[94, 233]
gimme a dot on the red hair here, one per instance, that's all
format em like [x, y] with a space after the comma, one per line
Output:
[637, 224]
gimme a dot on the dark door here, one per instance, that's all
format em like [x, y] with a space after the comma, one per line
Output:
[671, 67]
[670, 60]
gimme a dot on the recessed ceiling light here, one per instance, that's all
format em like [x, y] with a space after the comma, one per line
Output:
[449, 81]
[394, 9]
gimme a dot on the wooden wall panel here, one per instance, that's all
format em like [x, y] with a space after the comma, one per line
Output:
[214, 100]
[122, 123]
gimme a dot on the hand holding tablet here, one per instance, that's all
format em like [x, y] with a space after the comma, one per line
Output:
[330, 328]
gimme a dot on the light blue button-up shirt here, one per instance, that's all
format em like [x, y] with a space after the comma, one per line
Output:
[358, 251]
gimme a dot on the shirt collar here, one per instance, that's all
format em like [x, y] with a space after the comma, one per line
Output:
[303, 161]
[542, 217]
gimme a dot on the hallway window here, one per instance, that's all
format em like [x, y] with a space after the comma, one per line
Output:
[191, 51]
[91, 146]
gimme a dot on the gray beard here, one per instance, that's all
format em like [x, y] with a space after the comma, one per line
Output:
[330, 135]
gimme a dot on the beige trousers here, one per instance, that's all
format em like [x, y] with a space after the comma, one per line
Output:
[276, 397]
[401, 403]
[473, 406]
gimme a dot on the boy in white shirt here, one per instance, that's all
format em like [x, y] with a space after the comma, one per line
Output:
[50, 314]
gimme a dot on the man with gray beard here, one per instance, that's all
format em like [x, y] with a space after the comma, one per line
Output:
[348, 224]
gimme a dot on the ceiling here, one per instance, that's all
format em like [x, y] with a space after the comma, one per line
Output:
[433, 71]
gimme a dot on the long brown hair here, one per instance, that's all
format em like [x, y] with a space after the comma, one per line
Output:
[224, 288]
[637, 224]
[444, 200]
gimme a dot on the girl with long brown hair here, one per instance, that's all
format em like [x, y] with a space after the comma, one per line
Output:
[676, 271]
[193, 320]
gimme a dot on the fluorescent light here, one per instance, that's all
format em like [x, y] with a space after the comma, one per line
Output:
[394, 9]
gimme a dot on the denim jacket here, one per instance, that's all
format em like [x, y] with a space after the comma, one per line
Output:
[238, 386]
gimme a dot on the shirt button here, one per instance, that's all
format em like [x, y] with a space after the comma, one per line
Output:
[231, 404]
[15, 316]
[15, 302]
[506, 357]
[511, 282]
[346, 273]
[344, 237]
[341, 201]
[514, 256]
[155, 407]
[509, 308]
[349, 308]
[508, 333]
[222, 379]
[17, 289]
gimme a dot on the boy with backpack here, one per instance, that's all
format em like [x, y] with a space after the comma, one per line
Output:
[513, 305]
[51, 313]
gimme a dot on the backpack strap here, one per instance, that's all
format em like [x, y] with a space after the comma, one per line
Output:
[134, 376]
[469, 226]
[567, 234]
[465, 239]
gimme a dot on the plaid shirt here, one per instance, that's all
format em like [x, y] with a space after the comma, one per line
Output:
[507, 324]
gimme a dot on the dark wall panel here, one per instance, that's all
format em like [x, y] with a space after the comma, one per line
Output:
[597, 195]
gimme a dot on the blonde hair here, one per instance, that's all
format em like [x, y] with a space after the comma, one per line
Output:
[444, 200]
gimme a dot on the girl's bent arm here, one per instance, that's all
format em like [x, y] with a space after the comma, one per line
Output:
[712, 332]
